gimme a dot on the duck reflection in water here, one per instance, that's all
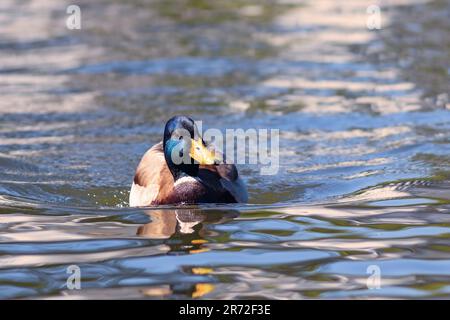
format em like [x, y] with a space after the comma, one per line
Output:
[185, 225]
[184, 231]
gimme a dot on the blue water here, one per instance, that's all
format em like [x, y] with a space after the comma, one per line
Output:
[364, 176]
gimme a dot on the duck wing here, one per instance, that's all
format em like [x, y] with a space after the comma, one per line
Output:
[153, 182]
[224, 179]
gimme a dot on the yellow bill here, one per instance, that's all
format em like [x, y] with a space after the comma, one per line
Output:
[200, 153]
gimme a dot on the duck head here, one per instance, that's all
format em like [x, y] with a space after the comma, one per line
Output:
[184, 148]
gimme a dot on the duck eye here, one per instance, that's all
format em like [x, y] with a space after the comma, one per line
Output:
[180, 138]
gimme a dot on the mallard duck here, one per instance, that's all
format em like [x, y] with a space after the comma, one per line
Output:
[184, 169]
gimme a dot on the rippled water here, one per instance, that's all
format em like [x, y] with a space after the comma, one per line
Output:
[364, 118]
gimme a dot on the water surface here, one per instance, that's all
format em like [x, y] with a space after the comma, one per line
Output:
[364, 119]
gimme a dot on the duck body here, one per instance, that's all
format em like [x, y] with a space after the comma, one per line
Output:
[158, 180]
